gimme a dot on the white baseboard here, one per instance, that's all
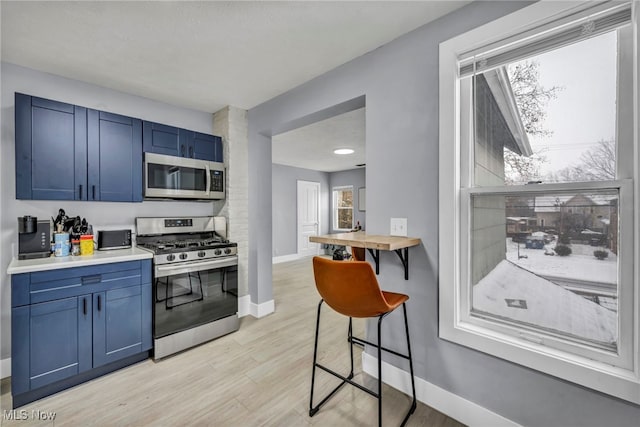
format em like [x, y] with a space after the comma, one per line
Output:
[450, 404]
[246, 307]
[5, 368]
[286, 258]
[261, 310]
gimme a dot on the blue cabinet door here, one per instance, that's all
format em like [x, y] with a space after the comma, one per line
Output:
[172, 141]
[50, 144]
[114, 157]
[57, 342]
[117, 324]
[162, 139]
[219, 157]
[147, 316]
[206, 147]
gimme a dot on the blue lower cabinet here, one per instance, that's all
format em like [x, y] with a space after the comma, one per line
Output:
[54, 342]
[59, 343]
[59, 335]
[117, 324]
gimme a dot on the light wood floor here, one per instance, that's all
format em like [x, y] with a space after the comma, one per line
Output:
[257, 376]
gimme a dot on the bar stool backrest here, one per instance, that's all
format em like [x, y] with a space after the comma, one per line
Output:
[350, 288]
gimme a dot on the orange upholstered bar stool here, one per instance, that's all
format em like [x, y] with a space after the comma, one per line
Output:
[357, 254]
[351, 289]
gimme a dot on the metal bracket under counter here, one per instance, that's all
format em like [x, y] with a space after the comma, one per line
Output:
[374, 244]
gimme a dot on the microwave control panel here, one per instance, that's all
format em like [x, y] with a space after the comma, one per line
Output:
[217, 181]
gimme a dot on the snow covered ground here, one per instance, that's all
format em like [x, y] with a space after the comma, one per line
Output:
[580, 265]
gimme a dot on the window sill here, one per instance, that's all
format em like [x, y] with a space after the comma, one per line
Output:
[618, 382]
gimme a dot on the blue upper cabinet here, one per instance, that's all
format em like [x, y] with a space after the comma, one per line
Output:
[172, 141]
[51, 161]
[67, 152]
[162, 139]
[114, 157]
[206, 147]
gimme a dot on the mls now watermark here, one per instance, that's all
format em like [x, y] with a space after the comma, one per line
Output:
[24, 415]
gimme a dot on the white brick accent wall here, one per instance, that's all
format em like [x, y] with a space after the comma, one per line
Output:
[231, 124]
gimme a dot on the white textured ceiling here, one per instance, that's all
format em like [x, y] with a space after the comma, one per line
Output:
[311, 147]
[203, 54]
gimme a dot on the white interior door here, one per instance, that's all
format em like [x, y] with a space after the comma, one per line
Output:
[308, 217]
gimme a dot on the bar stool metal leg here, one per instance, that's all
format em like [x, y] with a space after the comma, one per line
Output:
[353, 340]
[380, 370]
[350, 339]
[413, 381]
[313, 410]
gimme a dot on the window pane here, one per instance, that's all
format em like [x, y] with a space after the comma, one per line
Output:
[344, 198]
[345, 218]
[549, 118]
[343, 209]
[548, 263]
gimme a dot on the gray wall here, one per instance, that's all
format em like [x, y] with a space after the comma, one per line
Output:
[284, 199]
[18, 79]
[400, 82]
[355, 178]
[285, 206]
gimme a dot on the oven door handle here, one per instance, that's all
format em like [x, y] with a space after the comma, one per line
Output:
[190, 267]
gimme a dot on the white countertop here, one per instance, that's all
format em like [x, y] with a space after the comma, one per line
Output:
[99, 257]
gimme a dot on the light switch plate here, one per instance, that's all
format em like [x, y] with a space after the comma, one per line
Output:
[398, 227]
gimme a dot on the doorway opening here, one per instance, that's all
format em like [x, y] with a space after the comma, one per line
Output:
[304, 151]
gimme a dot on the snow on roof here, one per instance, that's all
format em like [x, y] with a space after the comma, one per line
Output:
[548, 305]
[552, 203]
[587, 231]
[521, 218]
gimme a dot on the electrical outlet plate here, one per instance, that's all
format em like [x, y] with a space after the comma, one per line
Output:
[399, 227]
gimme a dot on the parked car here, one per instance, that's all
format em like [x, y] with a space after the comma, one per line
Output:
[534, 242]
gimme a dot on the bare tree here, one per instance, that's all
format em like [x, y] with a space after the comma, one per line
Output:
[521, 169]
[596, 164]
[599, 163]
[532, 99]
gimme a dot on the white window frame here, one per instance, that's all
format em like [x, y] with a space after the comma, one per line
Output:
[622, 381]
[335, 208]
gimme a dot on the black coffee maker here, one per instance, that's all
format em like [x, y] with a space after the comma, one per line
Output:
[34, 238]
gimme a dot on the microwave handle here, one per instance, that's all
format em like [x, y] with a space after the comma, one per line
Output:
[208, 179]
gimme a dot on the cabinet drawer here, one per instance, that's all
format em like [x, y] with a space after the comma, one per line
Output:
[64, 283]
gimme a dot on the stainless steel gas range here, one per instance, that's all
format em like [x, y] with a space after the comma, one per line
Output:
[195, 280]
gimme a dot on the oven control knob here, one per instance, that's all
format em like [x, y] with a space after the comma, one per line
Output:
[183, 256]
[171, 257]
[201, 254]
[217, 252]
[227, 251]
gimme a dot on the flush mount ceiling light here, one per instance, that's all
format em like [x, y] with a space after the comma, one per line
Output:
[343, 151]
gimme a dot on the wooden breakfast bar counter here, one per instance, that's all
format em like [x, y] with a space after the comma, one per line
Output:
[360, 239]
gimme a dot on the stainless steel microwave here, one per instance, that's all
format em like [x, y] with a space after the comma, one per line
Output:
[171, 177]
